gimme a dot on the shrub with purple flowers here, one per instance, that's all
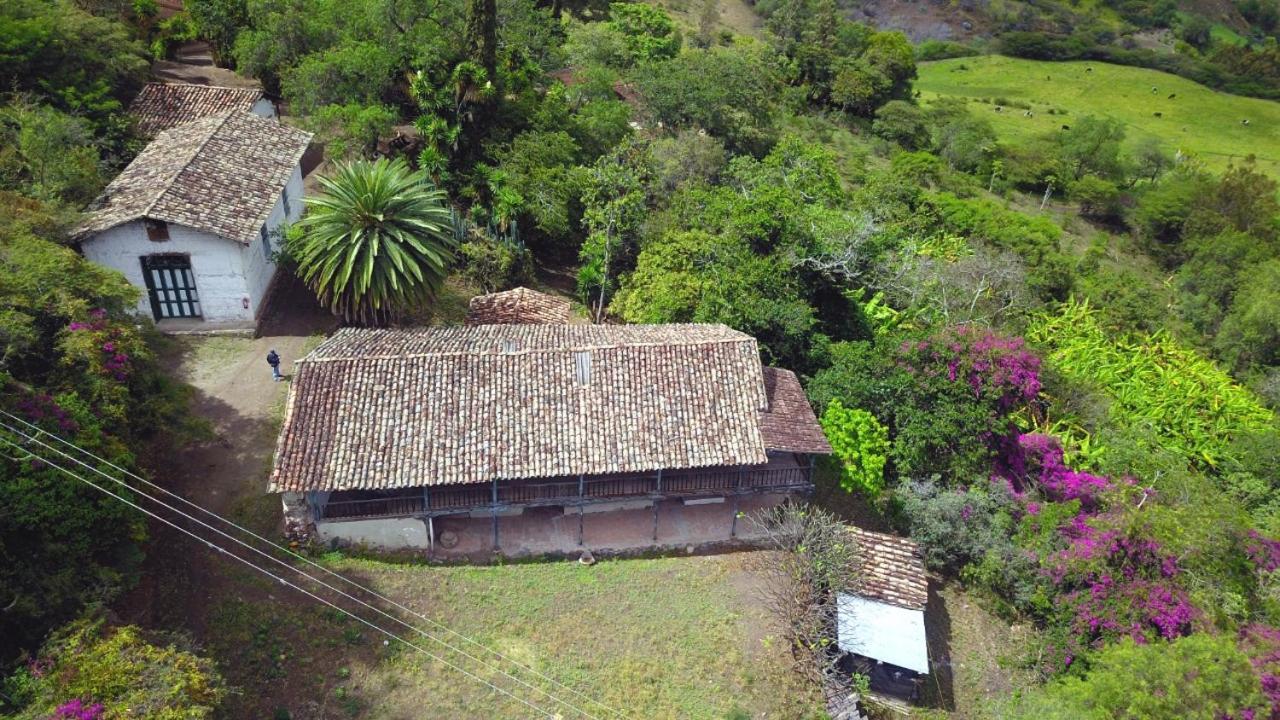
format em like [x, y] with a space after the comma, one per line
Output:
[77, 366]
[995, 368]
[1262, 644]
[1036, 462]
[78, 710]
[119, 673]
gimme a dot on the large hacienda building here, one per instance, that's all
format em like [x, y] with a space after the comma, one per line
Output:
[533, 438]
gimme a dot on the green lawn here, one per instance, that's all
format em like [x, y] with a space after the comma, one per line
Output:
[653, 638]
[1198, 120]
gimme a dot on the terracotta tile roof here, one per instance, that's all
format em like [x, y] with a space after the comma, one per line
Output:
[892, 570]
[520, 306]
[160, 106]
[221, 174]
[789, 424]
[435, 406]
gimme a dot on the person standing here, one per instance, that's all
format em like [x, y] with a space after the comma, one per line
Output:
[273, 359]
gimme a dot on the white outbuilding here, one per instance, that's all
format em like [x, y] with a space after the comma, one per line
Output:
[194, 221]
[882, 624]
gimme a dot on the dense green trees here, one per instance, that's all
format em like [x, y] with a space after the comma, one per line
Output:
[1202, 677]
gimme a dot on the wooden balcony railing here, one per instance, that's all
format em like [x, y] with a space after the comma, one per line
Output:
[565, 492]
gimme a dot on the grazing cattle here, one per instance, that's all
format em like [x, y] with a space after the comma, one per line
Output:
[1154, 89]
[1172, 96]
[1027, 114]
[1157, 114]
[999, 109]
[1244, 122]
[1066, 127]
[1088, 69]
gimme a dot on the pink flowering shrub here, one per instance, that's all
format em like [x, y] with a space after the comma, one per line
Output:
[1114, 581]
[107, 352]
[78, 710]
[1262, 644]
[992, 366]
[1036, 461]
[1263, 552]
[41, 408]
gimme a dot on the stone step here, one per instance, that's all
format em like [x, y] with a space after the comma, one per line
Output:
[196, 52]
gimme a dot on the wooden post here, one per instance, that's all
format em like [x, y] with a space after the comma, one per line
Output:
[495, 515]
[581, 504]
[813, 461]
[431, 527]
[733, 523]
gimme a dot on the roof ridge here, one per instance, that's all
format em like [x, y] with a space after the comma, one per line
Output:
[260, 91]
[168, 184]
[526, 351]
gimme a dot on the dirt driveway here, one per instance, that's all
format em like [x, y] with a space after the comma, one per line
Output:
[227, 473]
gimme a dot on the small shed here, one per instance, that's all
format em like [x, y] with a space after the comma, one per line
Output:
[881, 626]
[520, 306]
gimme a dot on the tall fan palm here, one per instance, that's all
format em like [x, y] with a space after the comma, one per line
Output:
[376, 241]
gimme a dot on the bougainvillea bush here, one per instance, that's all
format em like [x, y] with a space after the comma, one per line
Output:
[1096, 557]
[948, 400]
[91, 672]
[74, 363]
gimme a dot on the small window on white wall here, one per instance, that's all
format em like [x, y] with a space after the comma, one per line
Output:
[284, 196]
[157, 230]
[266, 242]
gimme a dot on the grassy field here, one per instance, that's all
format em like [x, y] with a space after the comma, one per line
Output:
[654, 638]
[1197, 120]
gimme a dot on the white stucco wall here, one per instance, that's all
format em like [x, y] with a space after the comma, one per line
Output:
[226, 271]
[218, 266]
[386, 534]
[258, 268]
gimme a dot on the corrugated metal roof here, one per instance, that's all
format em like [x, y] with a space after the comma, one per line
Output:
[884, 632]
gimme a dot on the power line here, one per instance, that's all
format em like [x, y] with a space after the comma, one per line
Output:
[284, 564]
[40, 431]
[277, 578]
[304, 559]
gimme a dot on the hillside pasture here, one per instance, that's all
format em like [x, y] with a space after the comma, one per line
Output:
[1195, 120]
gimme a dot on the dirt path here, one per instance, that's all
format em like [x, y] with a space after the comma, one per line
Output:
[227, 474]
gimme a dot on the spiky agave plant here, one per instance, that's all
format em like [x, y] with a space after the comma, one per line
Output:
[376, 242]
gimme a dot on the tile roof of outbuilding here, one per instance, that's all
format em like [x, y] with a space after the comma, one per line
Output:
[892, 570]
[379, 409]
[520, 306]
[221, 174]
[160, 106]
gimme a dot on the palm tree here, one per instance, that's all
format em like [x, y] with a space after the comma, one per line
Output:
[375, 242]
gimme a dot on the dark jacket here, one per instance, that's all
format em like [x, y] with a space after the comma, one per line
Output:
[273, 359]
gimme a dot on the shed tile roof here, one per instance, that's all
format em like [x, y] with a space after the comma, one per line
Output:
[892, 570]
[379, 409]
[520, 306]
[788, 424]
[160, 106]
[221, 174]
